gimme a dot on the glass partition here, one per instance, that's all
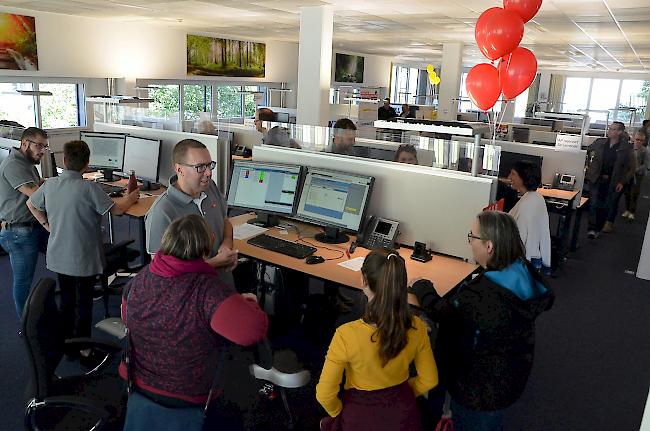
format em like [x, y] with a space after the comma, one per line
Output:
[424, 149]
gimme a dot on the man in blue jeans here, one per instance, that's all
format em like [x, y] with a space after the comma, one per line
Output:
[21, 235]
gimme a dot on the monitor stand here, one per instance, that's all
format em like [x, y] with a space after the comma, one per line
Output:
[332, 235]
[265, 220]
[149, 185]
[108, 175]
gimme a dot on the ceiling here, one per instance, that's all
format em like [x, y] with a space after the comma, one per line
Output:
[603, 35]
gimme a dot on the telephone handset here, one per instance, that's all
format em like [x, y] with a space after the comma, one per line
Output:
[377, 232]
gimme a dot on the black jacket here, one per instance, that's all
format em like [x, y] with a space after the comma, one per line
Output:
[624, 167]
[485, 342]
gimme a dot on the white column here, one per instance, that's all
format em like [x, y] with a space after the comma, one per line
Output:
[314, 65]
[451, 71]
[647, 109]
[544, 91]
[643, 270]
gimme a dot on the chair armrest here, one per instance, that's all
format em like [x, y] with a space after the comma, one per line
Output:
[71, 402]
[117, 247]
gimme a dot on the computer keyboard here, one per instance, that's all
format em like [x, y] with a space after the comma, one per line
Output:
[109, 188]
[299, 251]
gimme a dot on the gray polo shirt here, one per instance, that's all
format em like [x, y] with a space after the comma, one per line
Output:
[16, 171]
[174, 204]
[74, 210]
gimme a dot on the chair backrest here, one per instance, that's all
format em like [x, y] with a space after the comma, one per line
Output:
[43, 336]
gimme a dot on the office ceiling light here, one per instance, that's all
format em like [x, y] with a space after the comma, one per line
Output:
[34, 93]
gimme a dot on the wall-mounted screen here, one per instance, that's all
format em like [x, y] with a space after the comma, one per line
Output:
[349, 68]
[211, 56]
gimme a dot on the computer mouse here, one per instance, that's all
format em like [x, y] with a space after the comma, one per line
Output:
[312, 260]
[116, 194]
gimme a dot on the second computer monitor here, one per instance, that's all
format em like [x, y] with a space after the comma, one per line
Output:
[269, 189]
[336, 200]
[106, 151]
[142, 155]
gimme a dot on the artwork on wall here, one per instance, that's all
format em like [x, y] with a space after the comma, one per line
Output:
[225, 57]
[18, 42]
[349, 68]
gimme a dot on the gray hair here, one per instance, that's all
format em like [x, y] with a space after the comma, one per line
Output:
[187, 238]
[501, 229]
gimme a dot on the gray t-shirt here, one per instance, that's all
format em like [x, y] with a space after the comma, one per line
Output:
[16, 171]
[174, 204]
[74, 210]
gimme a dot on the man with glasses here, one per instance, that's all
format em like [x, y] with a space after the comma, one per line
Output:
[21, 235]
[192, 191]
[611, 165]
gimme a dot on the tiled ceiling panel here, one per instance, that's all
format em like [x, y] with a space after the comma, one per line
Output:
[568, 34]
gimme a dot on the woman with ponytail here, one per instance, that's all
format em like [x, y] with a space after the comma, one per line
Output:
[375, 353]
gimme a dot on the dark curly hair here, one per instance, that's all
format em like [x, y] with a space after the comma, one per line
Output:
[530, 173]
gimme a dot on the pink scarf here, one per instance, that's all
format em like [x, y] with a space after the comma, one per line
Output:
[169, 266]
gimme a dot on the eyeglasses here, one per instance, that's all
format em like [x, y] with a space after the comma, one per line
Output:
[471, 236]
[201, 167]
[38, 145]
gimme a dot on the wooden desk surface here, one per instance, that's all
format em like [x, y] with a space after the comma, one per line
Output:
[234, 157]
[558, 194]
[140, 208]
[444, 272]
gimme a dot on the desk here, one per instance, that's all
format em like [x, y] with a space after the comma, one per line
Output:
[444, 272]
[560, 202]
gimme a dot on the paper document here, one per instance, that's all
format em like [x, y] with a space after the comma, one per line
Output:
[353, 264]
[247, 230]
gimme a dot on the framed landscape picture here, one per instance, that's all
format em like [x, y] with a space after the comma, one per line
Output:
[212, 56]
[349, 68]
[18, 42]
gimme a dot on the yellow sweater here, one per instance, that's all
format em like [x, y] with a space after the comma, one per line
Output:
[352, 351]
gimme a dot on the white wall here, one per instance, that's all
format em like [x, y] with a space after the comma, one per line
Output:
[85, 47]
[376, 70]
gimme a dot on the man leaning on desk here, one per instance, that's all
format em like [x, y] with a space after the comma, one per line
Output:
[192, 191]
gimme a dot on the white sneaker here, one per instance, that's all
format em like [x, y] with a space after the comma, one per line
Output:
[592, 234]
[631, 216]
[626, 214]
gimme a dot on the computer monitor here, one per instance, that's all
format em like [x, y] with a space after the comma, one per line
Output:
[281, 117]
[142, 155]
[106, 151]
[336, 200]
[520, 134]
[268, 188]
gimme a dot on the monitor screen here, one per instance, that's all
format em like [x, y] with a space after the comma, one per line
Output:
[141, 155]
[507, 161]
[106, 149]
[333, 198]
[263, 186]
[282, 117]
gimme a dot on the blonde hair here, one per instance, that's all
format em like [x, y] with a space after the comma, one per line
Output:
[187, 238]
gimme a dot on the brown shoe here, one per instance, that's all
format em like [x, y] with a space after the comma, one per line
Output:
[608, 228]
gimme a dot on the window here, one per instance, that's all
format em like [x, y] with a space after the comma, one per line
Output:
[603, 98]
[16, 107]
[61, 109]
[166, 101]
[404, 85]
[521, 102]
[196, 99]
[634, 94]
[229, 101]
[576, 94]
[249, 99]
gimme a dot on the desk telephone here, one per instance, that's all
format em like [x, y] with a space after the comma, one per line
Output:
[377, 232]
[564, 181]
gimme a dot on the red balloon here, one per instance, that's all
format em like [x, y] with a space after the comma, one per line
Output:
[516, 72]
[482, 85]
[498, 32]
[526, 9]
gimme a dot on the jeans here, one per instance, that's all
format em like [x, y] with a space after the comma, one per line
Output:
[604, 204]
[539, 265]
[474, 420]
[76, 305]
[143, 414]
[23, 245]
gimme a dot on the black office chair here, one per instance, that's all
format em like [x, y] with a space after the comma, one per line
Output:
[118, 256]
[283, 370]
[94, 400]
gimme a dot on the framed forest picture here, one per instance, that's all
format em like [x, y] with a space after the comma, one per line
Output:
[18, 42]
[211, 56]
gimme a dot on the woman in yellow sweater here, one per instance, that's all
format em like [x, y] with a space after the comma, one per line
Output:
[375, 352]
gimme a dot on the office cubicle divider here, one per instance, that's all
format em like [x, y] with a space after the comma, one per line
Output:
[433, 205]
